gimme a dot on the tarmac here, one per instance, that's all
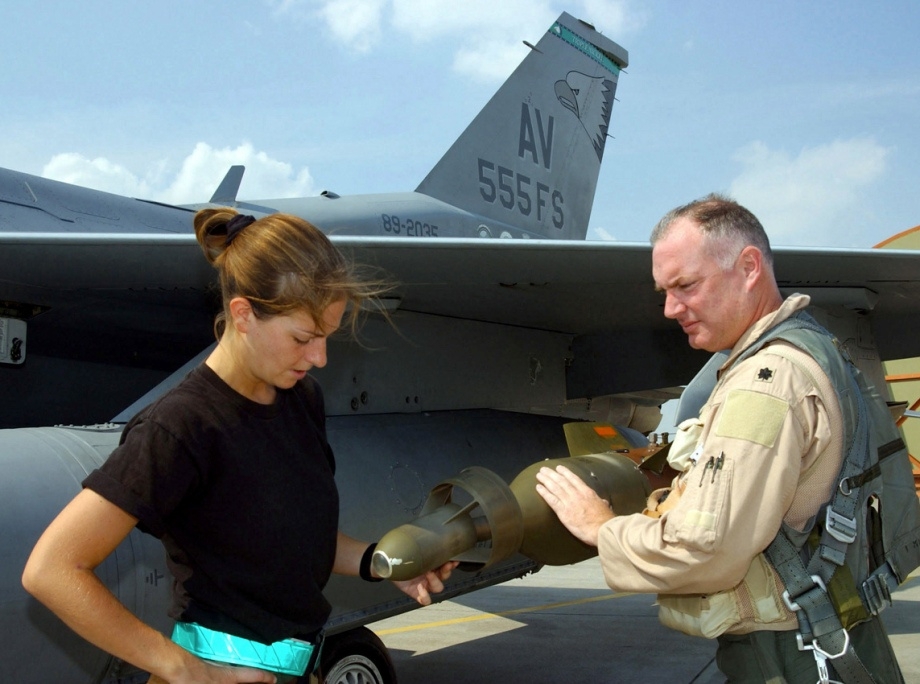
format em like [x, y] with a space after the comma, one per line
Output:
[563, 624]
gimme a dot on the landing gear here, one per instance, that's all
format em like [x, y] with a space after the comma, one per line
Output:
[356, 657]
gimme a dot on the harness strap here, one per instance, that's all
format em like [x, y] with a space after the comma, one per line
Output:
[820, 629]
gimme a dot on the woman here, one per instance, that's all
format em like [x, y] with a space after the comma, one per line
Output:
[231, 469]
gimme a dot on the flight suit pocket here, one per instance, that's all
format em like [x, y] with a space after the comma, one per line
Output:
[705, 616]
[755, 601]
[684, 444]
[764, 593]
[700, 519]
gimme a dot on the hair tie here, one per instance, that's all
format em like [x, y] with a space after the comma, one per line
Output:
[235, 225]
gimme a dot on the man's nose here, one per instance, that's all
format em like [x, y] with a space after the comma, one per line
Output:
[672, 306]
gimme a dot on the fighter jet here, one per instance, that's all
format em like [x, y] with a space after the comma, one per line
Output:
[506, 325]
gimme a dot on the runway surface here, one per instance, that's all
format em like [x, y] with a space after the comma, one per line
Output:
[563, 624]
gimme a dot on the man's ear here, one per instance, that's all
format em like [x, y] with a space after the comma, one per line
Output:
[751, 260]
[241, 314]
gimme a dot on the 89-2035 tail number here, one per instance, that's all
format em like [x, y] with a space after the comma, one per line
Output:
[408, 227]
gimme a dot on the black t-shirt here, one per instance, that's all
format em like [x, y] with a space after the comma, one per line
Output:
[243, 497]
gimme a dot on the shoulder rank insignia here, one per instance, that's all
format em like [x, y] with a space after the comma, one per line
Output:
[765, 375]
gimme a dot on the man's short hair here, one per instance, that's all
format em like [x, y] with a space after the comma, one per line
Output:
[727, 225]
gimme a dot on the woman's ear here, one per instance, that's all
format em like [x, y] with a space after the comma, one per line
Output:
[241, 314]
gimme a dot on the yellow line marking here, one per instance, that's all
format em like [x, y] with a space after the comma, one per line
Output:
[491, 616]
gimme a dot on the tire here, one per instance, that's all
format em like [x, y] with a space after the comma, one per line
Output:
[357, 656]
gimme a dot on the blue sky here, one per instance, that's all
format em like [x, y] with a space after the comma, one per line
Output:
[807, 112]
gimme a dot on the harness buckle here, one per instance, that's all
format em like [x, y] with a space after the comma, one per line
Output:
[794, 606]
[822, 656]
[843, 649]
[840, 527]
[876, 591]
[824, 675]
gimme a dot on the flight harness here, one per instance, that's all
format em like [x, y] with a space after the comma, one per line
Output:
[866, 540]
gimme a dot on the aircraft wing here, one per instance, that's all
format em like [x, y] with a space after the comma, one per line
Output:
[599, 299]
[592, 287]
[579, 287]
[146, 301]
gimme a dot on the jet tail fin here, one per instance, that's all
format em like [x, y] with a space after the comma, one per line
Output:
[229, 187]
[532, 156]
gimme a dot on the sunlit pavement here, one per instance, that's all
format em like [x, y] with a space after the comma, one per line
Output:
[563, 624]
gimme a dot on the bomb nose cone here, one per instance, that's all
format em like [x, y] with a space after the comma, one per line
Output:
[427, 542]
[382, 564]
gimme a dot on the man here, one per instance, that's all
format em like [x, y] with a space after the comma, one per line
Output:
[767, 449]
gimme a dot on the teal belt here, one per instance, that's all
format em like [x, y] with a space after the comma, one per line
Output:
[291, 656]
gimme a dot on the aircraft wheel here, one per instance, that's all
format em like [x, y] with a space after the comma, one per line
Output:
[357, 656]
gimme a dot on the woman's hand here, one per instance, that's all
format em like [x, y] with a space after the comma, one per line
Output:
[201, 672]
[432, 582]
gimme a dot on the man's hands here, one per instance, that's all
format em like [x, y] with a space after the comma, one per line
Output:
[432, 582]
[576, 505]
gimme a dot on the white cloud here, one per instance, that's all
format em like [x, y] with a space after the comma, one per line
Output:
[98, 173]
[490, 61]
[282, 6]
[426, 20]
[487, 38]
[196, 180]
[613, 17]
[488, 34]
[815, 198]
[600, 234]
[358, 23]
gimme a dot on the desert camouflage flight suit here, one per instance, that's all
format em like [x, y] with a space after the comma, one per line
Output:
[768, 446]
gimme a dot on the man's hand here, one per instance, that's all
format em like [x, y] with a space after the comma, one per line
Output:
[432, 582]
[576, 505]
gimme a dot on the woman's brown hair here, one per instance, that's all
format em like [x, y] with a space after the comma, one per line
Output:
[281, 264]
